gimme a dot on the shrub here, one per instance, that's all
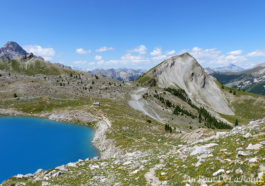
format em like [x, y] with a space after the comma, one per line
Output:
[145, 95]
[168, 128]
[152, 82]
[236, 122]
[168, 103]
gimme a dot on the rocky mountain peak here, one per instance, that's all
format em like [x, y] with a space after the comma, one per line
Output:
[12, 50]
[183, 71]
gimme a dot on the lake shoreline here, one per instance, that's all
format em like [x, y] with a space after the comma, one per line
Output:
[104, 146]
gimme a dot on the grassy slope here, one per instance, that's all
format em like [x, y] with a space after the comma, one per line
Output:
[34, 67]
[246, 105]
[132, 133]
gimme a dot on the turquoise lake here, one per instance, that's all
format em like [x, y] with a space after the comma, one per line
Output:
[28, 144]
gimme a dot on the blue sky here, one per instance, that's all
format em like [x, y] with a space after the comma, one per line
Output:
[89, 34]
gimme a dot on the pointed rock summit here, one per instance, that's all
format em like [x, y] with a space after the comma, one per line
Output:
[183, 71]
[12, 50]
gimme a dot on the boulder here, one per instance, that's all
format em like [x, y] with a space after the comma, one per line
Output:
[242, 153]
[254, 147]
[239, 171]
[218, 172]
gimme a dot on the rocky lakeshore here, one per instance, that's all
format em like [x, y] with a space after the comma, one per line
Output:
[101, 125]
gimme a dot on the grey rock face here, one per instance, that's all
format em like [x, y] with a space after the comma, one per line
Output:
[185, 72]
[12, 50]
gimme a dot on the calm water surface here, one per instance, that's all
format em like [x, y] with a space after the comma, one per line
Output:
[28, 144]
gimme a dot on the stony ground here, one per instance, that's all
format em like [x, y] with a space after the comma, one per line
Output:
[234, 157]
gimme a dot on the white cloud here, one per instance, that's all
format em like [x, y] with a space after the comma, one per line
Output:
[138, 57]
[129, 59]
[213, 57]
[257, 53]
[104, 49]
[171, 52]
[99, 59]
[205, 53]
[140, 49]
[159, 58]
[135, 57]
[235, 52]
[46, 53]
[156, 52]
[82, 51]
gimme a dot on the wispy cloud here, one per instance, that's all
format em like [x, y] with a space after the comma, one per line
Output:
[156, 52]
[235, 52]
[171, 52]
[211, 57]
[46, 53]
[82, 51]
[140, 49]
[257, 53]
[216, 58]
[104, 49]
[99, 59]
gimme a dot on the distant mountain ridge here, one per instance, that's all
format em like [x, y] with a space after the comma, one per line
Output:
[260, 65]
[228, 68]
[121, 74]
[252, 80]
